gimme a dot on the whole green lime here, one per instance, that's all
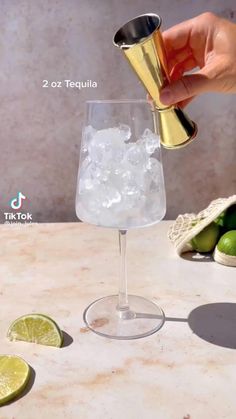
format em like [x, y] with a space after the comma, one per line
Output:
[227, 243]
[230, 218]
[206, 240]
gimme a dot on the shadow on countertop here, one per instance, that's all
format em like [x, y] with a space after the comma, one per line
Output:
[214, 323]
[197, 257]
[67, 339]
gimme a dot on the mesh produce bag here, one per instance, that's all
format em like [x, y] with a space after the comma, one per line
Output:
[187, 226]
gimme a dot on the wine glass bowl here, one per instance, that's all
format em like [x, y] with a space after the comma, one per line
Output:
[121, 186]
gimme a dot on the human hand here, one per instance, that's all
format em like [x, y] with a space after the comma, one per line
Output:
[207, 42]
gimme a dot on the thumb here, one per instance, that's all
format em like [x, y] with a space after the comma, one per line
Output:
[185, 88]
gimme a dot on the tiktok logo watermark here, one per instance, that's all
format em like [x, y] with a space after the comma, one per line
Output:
[16, 203]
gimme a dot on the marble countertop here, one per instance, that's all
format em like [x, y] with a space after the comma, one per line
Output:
[187, 370]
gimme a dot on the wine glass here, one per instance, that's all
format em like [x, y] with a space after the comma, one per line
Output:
[121, 185]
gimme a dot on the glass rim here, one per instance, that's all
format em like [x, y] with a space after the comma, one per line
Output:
[118, 101]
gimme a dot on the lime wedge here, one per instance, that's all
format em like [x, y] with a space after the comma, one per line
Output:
[14, 375]
[36, 328]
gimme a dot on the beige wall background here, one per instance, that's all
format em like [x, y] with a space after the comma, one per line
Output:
[41, 127]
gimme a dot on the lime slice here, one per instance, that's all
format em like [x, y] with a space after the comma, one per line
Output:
[206, 240]
[227, 243]
[14, 375]
[36, 328]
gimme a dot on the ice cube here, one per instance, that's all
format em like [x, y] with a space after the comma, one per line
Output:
[134, 201]
[115, 176]
[152, 176]
[100, 173]
[128, 183]
[85, 180]
[92, 175]
[89, 177]
[155, 206]
[118, 152]
[125, 131]
[88, 204]
[97, 199]
[99, 145]
[106, 147]
[84, 165]
[136, 155]
[85, 185]
[108, 136]
[95, 152]
[88, 134]
[150, 140]
[108, 195]
[154, 169]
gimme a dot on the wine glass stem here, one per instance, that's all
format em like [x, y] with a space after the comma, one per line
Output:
[123, 304]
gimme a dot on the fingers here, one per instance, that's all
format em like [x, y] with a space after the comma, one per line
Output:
[181, 104]
[177, 37]
[178, 58]
[187, 39]
[199, 42]
[186, 87]
[176, 47]
[189, 33]
[180, 68]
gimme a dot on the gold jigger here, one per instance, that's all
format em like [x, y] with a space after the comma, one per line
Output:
[142, 43]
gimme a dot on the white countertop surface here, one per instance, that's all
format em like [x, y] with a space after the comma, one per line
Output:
[187, 370]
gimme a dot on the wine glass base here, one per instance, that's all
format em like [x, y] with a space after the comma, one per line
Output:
[142, 318]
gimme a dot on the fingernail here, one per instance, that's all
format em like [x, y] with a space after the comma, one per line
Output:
[166, 96]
